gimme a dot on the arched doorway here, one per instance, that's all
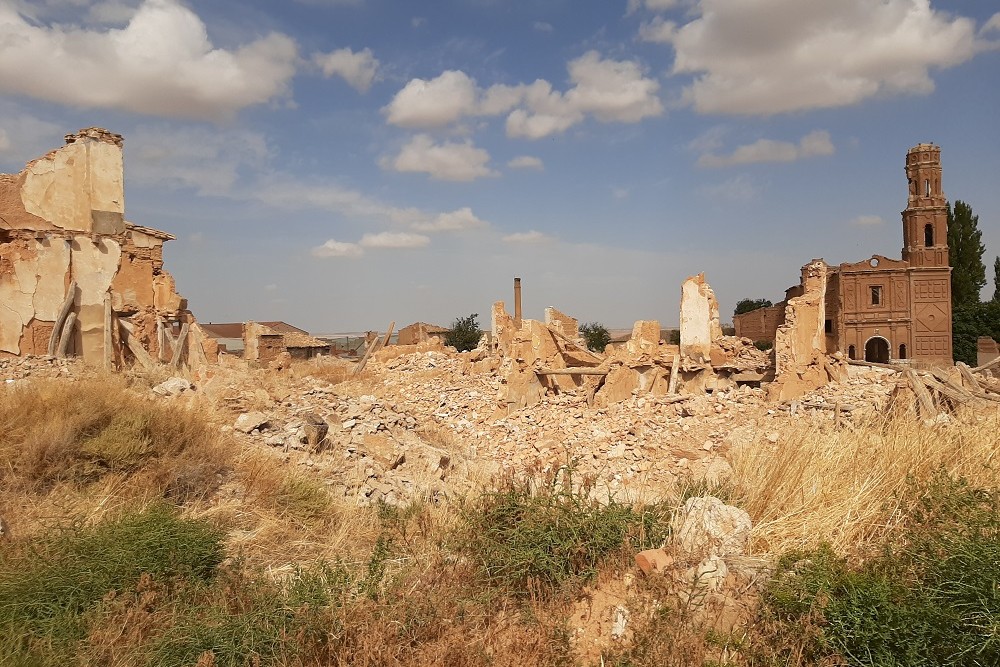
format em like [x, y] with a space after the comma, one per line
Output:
[877, 350]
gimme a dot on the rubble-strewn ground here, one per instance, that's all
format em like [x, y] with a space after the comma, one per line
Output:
[382, 513]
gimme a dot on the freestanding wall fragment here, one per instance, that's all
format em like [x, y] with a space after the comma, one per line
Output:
[67, 250]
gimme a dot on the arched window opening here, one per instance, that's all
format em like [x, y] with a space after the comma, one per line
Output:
[927, 187]
[928, 235]
[851, 352]
[902, 351]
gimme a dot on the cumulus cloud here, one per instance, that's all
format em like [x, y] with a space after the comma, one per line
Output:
[161, 63]
[609, 90]
[526, 162]
[767, 150]
[334, 248]
[448, 161]
[657, 30]
[993, 24]
[356, 68]
[533, 236]
[779, 56]
[433, 103]
[455, 221]
[394, 240]
[868, 220]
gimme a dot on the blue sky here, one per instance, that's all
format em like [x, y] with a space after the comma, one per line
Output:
[342, 163]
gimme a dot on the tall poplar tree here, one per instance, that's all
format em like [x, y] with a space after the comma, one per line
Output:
[965, 249]
[996, 280]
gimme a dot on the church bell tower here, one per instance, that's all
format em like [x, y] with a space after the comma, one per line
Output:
[925, 220]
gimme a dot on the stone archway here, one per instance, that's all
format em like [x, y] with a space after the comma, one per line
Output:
[877, 350]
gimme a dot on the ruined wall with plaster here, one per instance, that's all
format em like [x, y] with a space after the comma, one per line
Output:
[699, 318]
[62, 227]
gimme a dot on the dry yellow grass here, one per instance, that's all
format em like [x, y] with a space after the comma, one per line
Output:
[849, 486]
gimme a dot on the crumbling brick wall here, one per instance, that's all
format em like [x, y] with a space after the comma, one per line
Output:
[75, 277]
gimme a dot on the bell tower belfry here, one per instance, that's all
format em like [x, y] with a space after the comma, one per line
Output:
[925, 220]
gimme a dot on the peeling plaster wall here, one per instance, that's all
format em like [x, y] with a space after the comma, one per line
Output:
[699, 318]
[62, 221]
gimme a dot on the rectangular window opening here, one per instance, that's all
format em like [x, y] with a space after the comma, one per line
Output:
[876, 291]
[828, 326]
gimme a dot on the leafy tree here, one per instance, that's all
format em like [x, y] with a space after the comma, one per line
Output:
[969, 323]
[996, 279]
[464, 334]
[747, 305]
[965, 249]
[596, 335]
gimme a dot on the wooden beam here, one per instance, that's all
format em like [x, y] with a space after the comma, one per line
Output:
[674, 367]
[988, 364]
[923, 396]
[388, 335]
[375, 346]
[109, 344]
[572, 370]
[573, 343]
[66, 335]
[180, 345]
[891, 367]
[969, 378]
[57, 327]
[137, 350]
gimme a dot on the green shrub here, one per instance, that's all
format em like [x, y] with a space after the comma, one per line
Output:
[596, 336]
[464, 334]
[934, 600]
[523, 540]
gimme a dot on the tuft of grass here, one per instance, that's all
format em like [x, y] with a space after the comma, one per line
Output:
[846, 486]
[48, 585]
[524, 540]
[96, 427]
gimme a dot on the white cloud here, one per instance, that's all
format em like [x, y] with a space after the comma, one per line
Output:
[542, 26]
[657, 30]
[767, 150]
[433, 103]
[460, 220]
[110, 13]
[4, 141]
[209, 161]
[609, 90]
[993, 24]
[162, 63]
[337, 249]
[394, 240]
[526, 162]
[789, 55]
[868, 220]
[533, 236]
[448, 161]
[356, 68]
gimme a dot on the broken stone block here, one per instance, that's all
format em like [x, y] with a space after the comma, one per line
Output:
[707, 526]
[249, 421]
[173, 387]
[699, 319]
[645, 337]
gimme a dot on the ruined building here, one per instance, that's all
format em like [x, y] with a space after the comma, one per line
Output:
[883, 309]
[77, 279]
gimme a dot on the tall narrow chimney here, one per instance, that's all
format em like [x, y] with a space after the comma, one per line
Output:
[517, 302]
